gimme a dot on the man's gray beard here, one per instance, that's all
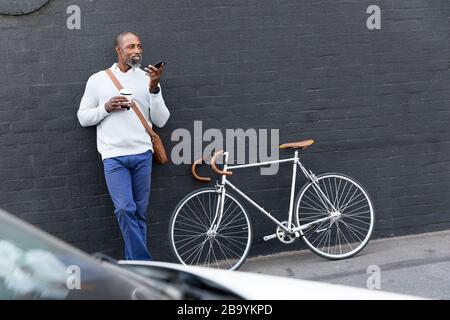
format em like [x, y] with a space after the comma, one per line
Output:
[133, 64]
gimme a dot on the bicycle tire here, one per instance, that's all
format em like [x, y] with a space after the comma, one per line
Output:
[359, 226]
[228, 249]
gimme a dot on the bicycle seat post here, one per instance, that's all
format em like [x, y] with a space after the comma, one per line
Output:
[291, 202]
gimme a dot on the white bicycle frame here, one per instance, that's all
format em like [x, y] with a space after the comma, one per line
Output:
[296, 162]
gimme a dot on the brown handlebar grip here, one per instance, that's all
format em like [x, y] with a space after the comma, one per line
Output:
[194, 171]
[214, 167]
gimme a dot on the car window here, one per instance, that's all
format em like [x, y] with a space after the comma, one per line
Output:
[35, 265]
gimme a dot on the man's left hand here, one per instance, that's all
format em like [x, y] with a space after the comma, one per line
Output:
[155, 75]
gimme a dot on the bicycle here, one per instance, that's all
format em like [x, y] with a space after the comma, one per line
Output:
[334, 216]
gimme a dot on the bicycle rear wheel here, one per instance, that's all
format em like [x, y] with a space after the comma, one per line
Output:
[190, 233]
[349, 231]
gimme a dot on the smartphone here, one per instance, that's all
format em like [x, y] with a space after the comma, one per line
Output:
[159, 64]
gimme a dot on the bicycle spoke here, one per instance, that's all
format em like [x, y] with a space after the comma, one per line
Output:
[320, 197]
[187, 237]
[214, 254]
[204, 210]
[335, 203]
[349, 201]
[356, 219]
[314, 208]
[343, 236]
[312, 204]
[184, 214]
[338, 238]
[312, 218]
[340, 197]
[199, 253]
[235, 243]
[321, 238]
[208, 259]
[190, 239]
[193, 250]
[224, 221]
[197, 212]
[230, 231]
[222, 249]
[345, 197]
[353, 229]
[203, 223]
[227, 248]
[355, 237]
[326, 191]
[355, 203]
[357, 214]
[229, 222]
[329, 240]
[188, 244]
[191, 225]
[359, 227]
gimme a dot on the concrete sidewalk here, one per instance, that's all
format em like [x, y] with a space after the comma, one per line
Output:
[416, 265]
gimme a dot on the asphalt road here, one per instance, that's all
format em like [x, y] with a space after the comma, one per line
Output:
[417, 265]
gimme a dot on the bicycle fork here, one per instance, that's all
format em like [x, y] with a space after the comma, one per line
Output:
[212, 232]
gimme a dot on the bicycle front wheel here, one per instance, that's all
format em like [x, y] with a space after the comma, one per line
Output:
[351, 215]
[193, 239]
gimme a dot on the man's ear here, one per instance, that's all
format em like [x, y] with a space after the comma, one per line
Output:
[119, 51]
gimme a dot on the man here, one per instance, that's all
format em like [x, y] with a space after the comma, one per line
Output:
[122, 140]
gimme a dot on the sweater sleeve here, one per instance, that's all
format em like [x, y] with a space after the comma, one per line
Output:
[159, 114]
[91, 112]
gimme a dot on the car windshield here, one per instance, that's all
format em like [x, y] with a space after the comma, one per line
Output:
[35, 265]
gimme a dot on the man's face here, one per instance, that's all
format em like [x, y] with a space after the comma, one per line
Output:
[130, 50]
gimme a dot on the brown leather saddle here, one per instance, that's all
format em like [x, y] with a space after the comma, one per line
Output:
[298, 144]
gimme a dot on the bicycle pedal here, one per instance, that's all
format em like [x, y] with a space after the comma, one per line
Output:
[270, 237]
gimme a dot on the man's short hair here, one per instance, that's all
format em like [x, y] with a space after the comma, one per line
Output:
[120, 36]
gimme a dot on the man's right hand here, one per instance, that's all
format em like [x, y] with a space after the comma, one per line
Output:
[116, 103]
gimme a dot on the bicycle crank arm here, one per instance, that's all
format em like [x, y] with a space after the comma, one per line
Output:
[273, 236]
[270, 237]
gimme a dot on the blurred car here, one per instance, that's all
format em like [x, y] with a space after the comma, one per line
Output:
[36, 265]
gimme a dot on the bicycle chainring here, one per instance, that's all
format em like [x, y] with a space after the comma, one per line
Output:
[284, 236]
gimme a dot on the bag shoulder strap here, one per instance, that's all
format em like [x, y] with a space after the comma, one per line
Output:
[133, 105]
[114, 79]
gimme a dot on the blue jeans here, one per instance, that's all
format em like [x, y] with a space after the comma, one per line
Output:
[128, 179]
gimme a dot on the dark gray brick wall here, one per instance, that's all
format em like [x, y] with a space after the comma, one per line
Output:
[376, 102]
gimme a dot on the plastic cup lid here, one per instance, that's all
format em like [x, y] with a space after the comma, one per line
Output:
[126, 92]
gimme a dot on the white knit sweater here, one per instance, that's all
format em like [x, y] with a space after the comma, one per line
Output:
[121, 133]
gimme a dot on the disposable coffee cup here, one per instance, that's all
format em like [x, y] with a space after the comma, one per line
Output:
[127, 93]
